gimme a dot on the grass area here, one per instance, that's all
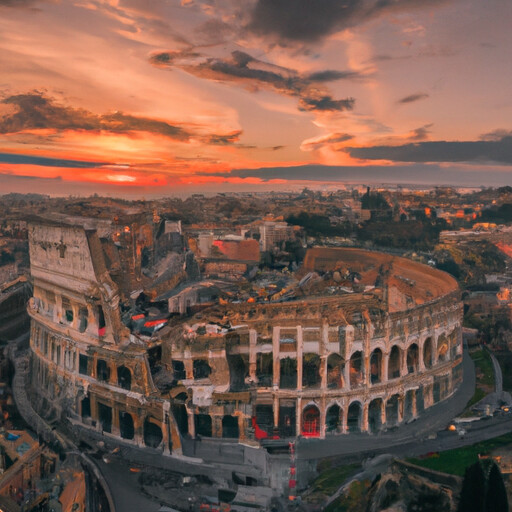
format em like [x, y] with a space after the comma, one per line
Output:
[456, 461]
[484, 376]
[329, 481]
[356, 499]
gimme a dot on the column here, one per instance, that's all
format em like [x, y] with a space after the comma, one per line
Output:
[115, 421]
[385, 366]
[253, 340]
[276, 335]
[300, 351]
[383, 417]
[191, 423]
[364, 419]
[298, 417]
[403, 363]
[421, 359]
[414, 406]
[276, 412]
[346, 375]
[400, 409]
[322, 418]
[344, 417]
[323, 372]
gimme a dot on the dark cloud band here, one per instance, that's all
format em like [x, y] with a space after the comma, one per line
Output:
[254, 74]
[440, 151]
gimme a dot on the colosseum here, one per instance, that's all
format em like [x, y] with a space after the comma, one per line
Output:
[359, 342]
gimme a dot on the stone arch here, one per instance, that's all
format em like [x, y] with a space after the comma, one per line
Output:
[201, 369]
[264, 368]
[238, 371]
[126, 427]
[356, 369]
[311, 421]
[311, 370]
[453, 342]
[102, 370]
[375, 412]
[124, 377]
[288, 373]
[409, 404]
[105, 417]
[392, 411]
[428, 355]
[394, 362]
[354, 417]
[335, 367]
[85, 407]
[203, 424]
[152, 433]
[443, 348]
[333, 418]
[230, 427]
[179, 411]
[413, 358]
[376, 366]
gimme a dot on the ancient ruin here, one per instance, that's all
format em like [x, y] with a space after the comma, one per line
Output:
[358, 342]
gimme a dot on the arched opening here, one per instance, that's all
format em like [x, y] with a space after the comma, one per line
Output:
[394, 363]
[443, 349]
[375, 410]
[263, 422]
[179, 411]
[201, 369]
[413, 358]
[356, 370]
[453, 338]
[102, 370]
[230, 427]
[203, 424]
[409, 405]
[392, 417]
[288, 373]
[376, 366]
[264, 369]
[238, 371]
[152, 434]
[101, 321]
[85, 407]
[178, 370]
[311, 370]
[333, 418]
[124, 377]
[427, 353]
[354, 417]
[126, 427]
[335, 367]
[311, 421]
[287, 418]
[105, 417]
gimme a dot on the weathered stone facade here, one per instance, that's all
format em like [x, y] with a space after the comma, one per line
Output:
[315, 366]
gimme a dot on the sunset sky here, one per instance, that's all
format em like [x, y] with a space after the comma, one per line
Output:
[155, 97]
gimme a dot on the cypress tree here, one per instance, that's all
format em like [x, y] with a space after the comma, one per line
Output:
[473, 490]
[496, 497]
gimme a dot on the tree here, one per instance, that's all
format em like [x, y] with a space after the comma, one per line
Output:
[496, 496]
[473, 490]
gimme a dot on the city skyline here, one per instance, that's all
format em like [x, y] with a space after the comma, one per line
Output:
[150, 98]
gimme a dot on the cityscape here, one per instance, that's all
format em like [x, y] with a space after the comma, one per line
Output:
[255, 256]
[204, 353]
